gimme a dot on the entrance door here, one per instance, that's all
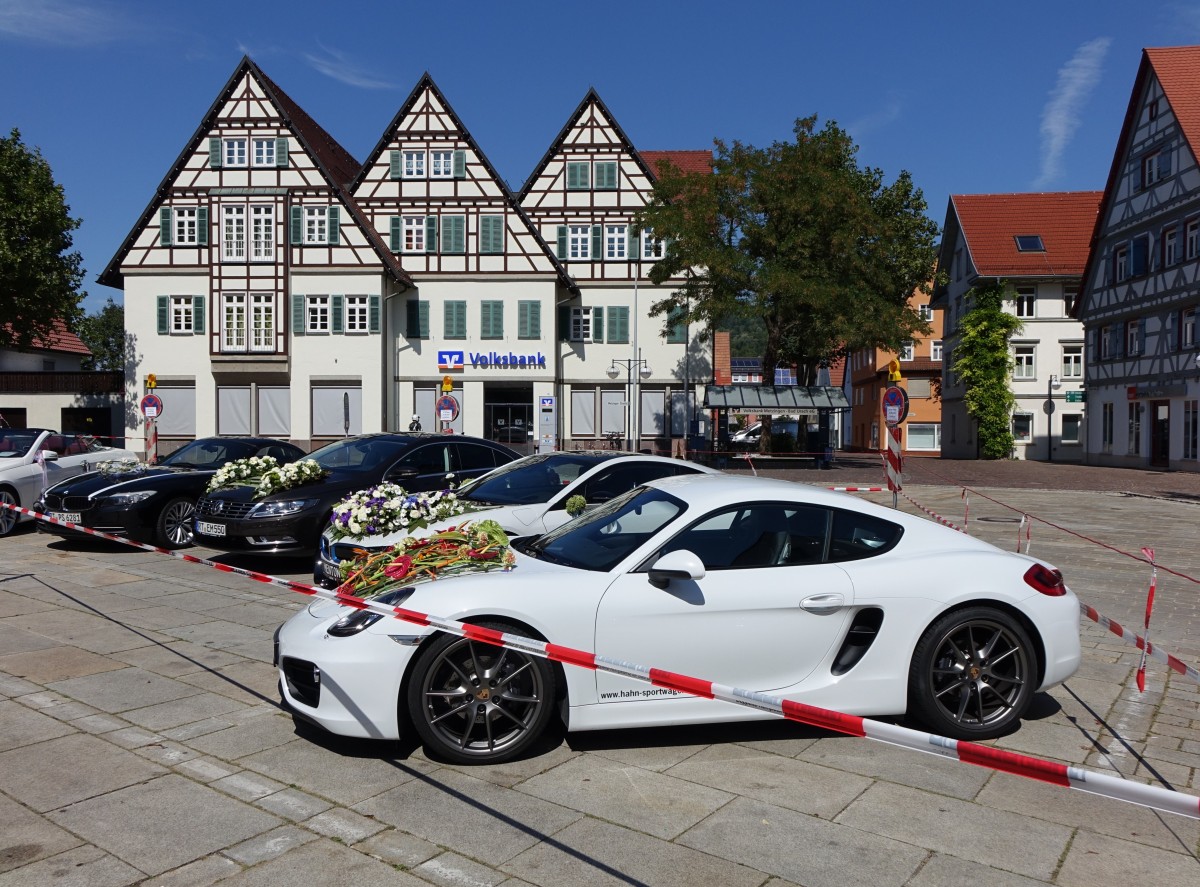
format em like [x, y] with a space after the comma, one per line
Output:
[508, 416]
[1160, 433]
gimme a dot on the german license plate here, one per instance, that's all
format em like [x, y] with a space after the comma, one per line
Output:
[332, 571]
[210, 529]
[68, 516]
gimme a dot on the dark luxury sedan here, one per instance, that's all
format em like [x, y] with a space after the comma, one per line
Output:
[152, 503]
[290, 521]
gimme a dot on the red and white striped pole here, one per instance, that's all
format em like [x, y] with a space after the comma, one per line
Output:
[1141, 672]
[894, 464]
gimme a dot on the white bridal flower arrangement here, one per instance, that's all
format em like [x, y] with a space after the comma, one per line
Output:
[128, 465]
[265, 474]
[388, 508]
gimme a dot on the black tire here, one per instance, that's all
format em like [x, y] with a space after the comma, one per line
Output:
[973, 674]
[475, 703]
[8, 518]
[173, 529]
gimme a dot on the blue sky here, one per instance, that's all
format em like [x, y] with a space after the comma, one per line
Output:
[970, 98]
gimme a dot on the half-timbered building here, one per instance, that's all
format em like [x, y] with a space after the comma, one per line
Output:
[1141, 296]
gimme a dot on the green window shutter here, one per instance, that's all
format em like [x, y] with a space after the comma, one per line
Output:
[460, 164]
[578, 178]
[202, 226]
[214, 153]
[333, 223]
[529, 319]
[597, 324]
[431, 234]
[491, 320]
[606, 175]
[678, 333]
[618, 324]
[562, 241]
[396, 232]
[198, 315]
[394, 164]
[337, 310]
[597, 243]
[164, 226]
[522, 320]
[297, 225]
[455, 319]
[491, 234]
[418, 319]
[297, 314]
[453, 234]
[164, 312]
[373, 314]
[281, 152]
[564, 323]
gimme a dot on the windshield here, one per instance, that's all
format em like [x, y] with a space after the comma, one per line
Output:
[361, 454]
[15, 443]
[529, 480]
[601, 539]
[210, 453]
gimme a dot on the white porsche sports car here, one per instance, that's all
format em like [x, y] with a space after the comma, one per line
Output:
[764, 585]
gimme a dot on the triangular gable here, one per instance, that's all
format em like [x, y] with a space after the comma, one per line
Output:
[332, 161]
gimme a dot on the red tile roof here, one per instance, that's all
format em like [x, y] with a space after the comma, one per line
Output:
[686, 161]
[61, 340]
[837, 372]
[1176, 69]
[991, 222]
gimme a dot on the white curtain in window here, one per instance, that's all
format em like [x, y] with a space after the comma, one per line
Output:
[612, 412]
[923, 437]
[330, 406]
[233, 410]
[178, 416]
[274, 412]
[654, 420]
[583, 413]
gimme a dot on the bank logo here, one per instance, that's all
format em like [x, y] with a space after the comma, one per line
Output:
[450, 360]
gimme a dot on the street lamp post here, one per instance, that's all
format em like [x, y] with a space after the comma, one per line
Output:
[644, 371]
[1052, 384]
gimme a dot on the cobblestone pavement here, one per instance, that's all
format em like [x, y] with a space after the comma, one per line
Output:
[141, 742]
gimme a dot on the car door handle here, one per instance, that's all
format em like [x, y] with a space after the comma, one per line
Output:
[823, 604]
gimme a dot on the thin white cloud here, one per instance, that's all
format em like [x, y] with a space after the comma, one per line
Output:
[877, 119]
[62, 22]
[1061, 115]
[334, 64]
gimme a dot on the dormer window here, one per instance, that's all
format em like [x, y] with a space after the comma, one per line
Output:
[1030, 243]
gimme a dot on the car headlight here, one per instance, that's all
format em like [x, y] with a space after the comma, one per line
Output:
[281, 508]
[128, 498]
[355, 622]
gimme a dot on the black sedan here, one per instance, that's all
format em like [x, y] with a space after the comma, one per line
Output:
[152, 503]
[290, 521]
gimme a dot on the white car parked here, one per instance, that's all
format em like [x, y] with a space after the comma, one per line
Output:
[25, 451]
[526, 497]
[764, 585]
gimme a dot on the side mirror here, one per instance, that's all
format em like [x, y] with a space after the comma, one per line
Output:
[49, 455]
[680, 564]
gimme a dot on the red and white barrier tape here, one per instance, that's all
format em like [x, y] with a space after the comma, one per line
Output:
[933, 514]
[858, 489]
[1052, 772]
[1141, 672]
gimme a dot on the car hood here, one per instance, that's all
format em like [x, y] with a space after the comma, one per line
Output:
[384, 540]
[91, 483]
[335, 484]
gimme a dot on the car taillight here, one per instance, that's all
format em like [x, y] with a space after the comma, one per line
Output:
[1045, 580]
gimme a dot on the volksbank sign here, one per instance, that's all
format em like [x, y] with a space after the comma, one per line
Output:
[480, 360]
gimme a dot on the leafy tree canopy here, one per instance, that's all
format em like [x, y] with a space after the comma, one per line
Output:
[798, 239]
[982, 362]
[39, 275]
[104, 333]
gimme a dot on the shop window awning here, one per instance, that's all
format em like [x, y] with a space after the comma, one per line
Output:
[778, 400]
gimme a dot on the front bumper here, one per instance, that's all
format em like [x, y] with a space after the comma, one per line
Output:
[292, 534]
[133, 523]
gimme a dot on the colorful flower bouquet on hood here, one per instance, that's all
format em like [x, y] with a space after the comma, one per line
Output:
[387, 508]
[472, 547]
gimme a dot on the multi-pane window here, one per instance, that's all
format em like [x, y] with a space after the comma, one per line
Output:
[1026, 299]
[187, 227]
[652, 247]
[1070, 297]
[356, 314]
[1191, 238]
[1190, 429]
[414, 234]
[248, 322]
[907, 350]
[935, 349]
[1072, 362]
[233, 326]
[264, 152]
[579, 242]
[1133, 337]
[441, 164]
[1023, 363]
[262, 233]
[318, 314]
[1121, 263]
[262, 322]
[235, 152]
[414, 164]
[316, 224]
[581, 324]
[925, 312]
[1135, 428]
[615, 240]
[1170, 247]
[233, 233]
[1106, 343]
[1155, 168]
[1187, 328]
[181, 315]
[1106, 426]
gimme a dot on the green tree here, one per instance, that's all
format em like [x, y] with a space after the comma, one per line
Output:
[39, 274]
[982, 362]
[798, 239]
[104, 333]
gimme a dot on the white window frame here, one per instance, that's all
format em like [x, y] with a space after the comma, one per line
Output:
[581, 325]
[1024, 362]
[234, 153]
[233, 322]
[1106, 349]
[356, 314]
[1133, 338]
[413, 165]
[262, 233]
[316, 224]
[935, 349]
[1151, 170]
[653, 249]
[1025, 303]
[1070, 298]
[616, 240]
[908, 350]
[1072, 361]
[1027, 418]
[264, 152]
[1121, 263]
[1187, 328]
[1170, 247]
[937, 437]
[317, 315]
[185, 226]
[925, 312]
[441, 164]
[1192, 239]
[414, 234]
[233, 232]
[579, 242]
[262, 322]
[181, 315]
